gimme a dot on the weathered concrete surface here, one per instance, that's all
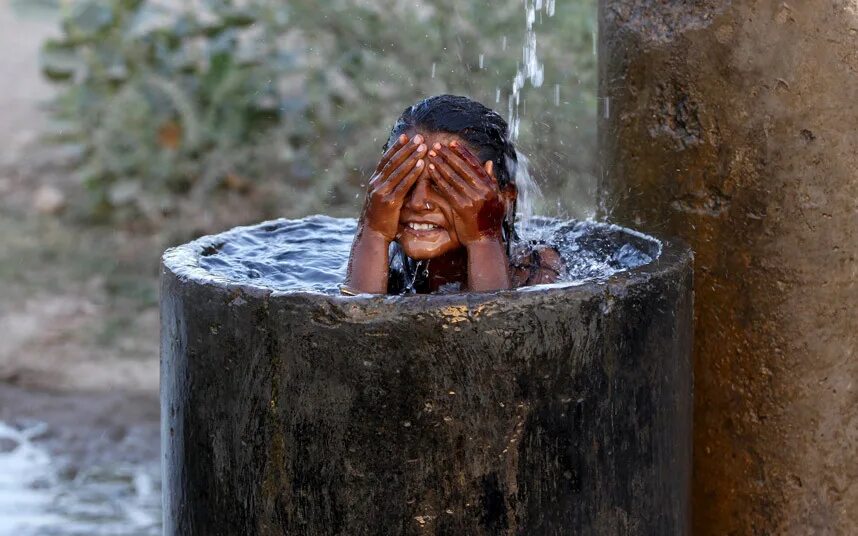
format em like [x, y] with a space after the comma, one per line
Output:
[735, 126]
[550, 412]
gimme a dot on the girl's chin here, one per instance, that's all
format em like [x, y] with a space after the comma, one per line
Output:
[421, 254]
[421, 251]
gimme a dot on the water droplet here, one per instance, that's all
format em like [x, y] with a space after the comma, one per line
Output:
[482, 60]
[433, 69]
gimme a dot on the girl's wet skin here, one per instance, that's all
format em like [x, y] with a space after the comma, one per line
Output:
[433, 196]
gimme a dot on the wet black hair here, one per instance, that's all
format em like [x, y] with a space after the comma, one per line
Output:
[483, 129]
[485, 132]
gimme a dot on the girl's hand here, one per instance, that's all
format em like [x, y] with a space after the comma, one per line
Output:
[472, 191]
[399, 168]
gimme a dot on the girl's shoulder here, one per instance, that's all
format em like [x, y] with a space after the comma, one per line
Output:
[536, 264]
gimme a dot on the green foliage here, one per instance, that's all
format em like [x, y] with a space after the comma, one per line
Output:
[294, 99]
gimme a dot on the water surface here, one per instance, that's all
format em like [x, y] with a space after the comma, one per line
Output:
[311, 254]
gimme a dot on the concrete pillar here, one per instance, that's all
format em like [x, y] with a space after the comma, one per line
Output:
[543, 412]
[734, 125]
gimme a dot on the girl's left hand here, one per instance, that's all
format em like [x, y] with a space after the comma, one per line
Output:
[472, 191]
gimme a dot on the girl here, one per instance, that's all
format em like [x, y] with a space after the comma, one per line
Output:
[444, 195]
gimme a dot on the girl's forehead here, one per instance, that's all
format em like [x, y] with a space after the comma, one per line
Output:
[444, 138]
[438, 137]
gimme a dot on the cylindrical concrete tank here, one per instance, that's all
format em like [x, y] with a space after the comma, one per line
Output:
[542, 411]
[734, 124]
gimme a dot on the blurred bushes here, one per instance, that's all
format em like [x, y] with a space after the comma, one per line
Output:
[176, 106]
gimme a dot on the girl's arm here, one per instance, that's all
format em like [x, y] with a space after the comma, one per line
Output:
[368, 263]
[398, 170]
[478, 213]
[488, 266]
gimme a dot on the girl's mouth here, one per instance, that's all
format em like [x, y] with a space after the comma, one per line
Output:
[423, 230]
[422, 226]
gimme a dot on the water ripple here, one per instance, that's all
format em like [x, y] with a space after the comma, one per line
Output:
[312, 254]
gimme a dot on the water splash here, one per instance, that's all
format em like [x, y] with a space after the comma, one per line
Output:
[311, 254]
[23, 503]
[39, 498]
[530, 69]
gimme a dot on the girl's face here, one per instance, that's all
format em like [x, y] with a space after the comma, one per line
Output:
[426, 228]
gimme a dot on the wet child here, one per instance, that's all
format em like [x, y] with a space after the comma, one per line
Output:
[439, 214]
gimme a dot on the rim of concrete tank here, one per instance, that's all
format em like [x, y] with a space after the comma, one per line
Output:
[182, 262]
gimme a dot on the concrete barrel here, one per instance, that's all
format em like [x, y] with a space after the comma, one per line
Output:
[542, 411]
[732, 124]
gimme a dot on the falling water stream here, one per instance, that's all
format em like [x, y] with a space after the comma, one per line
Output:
[530, 69]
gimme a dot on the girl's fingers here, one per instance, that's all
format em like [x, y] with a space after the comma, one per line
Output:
[462, 168]
[454, 178]
[396, 176]
[408, 181]
[446, 188]
[402, 154]
[388, 154]
[483, 171]
[466, 155]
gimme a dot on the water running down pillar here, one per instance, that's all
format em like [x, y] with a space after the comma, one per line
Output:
[735, 126]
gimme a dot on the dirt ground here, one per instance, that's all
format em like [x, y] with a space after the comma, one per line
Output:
[88, 429]
[78, 304]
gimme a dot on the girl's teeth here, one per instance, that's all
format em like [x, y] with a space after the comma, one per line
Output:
[422, 226]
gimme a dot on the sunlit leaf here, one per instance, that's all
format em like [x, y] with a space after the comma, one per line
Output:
[117, 72]
[90, 17]
[150, 18]
[59, 61]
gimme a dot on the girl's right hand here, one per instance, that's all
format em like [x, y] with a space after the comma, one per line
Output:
[399, 168]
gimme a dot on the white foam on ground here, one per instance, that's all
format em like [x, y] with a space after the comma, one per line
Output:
[36, 500]
[25, 480]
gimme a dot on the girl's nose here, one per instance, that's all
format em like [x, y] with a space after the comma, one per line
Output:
[419, 197]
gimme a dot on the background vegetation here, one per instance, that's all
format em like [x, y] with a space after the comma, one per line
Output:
[222, 110]
[173, 118]
[169, 119]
